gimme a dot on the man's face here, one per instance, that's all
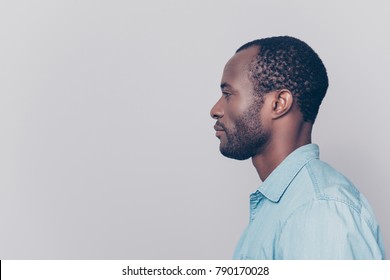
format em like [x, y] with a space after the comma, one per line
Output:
[238, 111]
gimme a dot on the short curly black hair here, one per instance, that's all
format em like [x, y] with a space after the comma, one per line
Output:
[285, 62]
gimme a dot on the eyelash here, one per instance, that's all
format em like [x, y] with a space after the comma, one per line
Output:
[226, 95]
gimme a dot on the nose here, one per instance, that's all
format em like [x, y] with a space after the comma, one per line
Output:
[217, 110]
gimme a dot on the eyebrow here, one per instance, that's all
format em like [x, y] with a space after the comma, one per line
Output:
[225, 85]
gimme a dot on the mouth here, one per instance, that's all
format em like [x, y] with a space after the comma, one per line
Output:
[218, 131]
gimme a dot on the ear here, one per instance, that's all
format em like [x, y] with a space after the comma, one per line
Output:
[282, 103]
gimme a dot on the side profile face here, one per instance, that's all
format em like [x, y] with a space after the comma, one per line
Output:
[238, 112]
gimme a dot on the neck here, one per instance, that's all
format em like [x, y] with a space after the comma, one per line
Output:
[279, 147]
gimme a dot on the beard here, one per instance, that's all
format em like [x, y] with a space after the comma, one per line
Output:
[247, 138]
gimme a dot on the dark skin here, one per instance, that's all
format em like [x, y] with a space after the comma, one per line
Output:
[279, 115]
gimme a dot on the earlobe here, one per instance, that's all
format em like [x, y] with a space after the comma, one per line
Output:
[282, 103]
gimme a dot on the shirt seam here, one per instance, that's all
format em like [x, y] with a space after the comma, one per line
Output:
[321, 196]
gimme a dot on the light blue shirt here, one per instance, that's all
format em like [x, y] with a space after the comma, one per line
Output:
[305, 209]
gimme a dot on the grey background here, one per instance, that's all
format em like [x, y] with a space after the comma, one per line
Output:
[107, 150]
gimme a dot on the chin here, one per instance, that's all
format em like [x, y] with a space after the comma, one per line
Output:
[234, 155]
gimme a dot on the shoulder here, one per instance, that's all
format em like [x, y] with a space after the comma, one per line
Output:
[328, 184]
[319, 186]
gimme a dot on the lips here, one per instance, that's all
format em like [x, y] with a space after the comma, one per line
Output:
[219, 130]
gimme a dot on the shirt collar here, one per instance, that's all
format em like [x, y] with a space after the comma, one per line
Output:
[280, 178]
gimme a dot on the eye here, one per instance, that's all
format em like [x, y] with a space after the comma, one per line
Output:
[226, 95]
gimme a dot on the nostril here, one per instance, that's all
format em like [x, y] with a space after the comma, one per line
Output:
[215, 116]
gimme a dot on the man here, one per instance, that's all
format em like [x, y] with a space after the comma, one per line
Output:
[272, 89]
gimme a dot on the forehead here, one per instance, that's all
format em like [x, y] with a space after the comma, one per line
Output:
[236, 69]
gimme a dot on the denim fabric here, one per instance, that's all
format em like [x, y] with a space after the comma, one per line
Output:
[305, 209]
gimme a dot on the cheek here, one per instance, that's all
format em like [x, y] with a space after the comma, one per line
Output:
[230, 119]
[236, 108]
